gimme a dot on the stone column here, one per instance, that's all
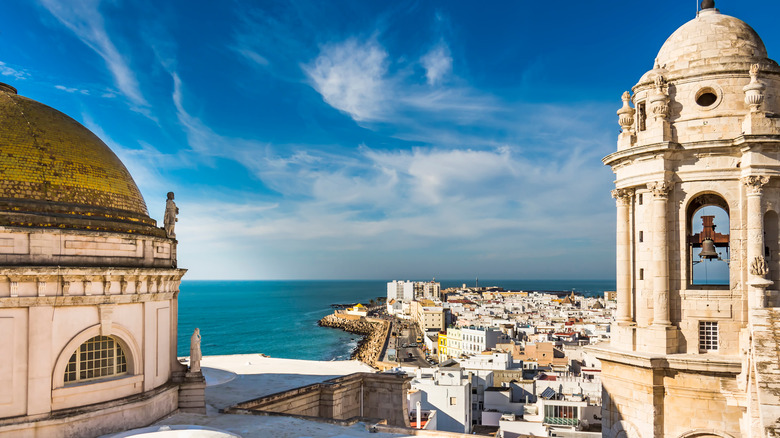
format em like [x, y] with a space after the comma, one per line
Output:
[660, 191]
[755, 240]
[623, 200]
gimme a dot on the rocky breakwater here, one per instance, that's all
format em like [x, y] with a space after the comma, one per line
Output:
[374, 334]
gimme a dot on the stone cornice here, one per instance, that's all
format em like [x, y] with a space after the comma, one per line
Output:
[38, 271]
[83, 300]
[745, 142]
[678, 362]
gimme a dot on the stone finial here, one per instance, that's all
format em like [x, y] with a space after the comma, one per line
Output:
[659, 100]
[754, 91]
[708, 4]
[626, 113]
[170, 219]
[759, 267]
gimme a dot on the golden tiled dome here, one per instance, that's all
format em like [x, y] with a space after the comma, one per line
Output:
[50, 163]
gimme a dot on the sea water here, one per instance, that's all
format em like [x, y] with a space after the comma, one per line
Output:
[279, 318]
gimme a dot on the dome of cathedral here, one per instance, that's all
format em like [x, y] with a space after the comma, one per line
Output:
[711, 38]
[52, 166]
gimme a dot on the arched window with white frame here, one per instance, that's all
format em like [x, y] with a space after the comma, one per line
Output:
[97, 358]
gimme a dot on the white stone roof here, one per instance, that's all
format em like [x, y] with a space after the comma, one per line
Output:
[711, 39]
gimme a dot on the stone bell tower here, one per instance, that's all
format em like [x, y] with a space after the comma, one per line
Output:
[698, 255]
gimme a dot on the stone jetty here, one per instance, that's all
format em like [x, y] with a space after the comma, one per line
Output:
[374, 332]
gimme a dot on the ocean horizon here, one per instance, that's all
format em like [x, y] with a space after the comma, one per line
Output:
[279, 317]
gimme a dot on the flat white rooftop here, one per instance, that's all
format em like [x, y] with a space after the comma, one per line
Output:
[236, 378]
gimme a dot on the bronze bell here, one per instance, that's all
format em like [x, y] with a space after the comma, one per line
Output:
[708, 250]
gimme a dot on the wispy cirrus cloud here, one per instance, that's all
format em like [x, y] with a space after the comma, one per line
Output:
[16, 73]
[71, 89]
[84, 19]
[480, 202]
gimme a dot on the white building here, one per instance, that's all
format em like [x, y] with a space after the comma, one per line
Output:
[395, 290]
[448, 392]
[479, 339]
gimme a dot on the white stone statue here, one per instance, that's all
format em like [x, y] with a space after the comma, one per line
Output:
[195, 355]
[170, 219]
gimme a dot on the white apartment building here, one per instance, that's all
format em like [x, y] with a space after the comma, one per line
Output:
[479, 339]
[497, 360]
[432, 290]
[395, 290]
[448, 392]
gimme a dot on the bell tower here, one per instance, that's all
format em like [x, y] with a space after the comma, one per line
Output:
[698, 261]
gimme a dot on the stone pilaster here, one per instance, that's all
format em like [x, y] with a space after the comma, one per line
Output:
[754, 187]
[660, 253]
[623, 199]
[663, 334]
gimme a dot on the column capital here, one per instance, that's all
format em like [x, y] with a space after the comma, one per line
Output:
[622, 196]
[754, 184]
[660, 189]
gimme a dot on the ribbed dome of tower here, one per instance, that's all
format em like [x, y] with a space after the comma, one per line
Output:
[711, 38]
[53, 166]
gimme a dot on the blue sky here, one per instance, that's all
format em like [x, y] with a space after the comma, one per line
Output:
[360, 139]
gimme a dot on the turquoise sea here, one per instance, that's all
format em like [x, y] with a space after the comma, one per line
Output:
[279, 318]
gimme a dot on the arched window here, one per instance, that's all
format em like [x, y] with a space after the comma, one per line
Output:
[97, 358]
[708, 241]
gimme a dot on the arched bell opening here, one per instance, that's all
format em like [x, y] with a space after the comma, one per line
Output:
[708, 241]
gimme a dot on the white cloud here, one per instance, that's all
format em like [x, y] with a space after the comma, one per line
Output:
[85, 21]
[437, 63]
[354, 77]
[71, 89]
[350, 76]
[448, 204]
[19, 74]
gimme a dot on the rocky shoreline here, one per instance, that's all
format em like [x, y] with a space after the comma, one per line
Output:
[373, 334]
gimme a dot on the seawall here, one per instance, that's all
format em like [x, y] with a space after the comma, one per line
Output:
[374, 332]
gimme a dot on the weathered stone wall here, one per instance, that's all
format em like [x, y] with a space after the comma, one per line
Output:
[663, 402]
[359, 395]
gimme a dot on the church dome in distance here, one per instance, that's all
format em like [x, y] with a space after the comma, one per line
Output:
[711, 39]
[54, 172]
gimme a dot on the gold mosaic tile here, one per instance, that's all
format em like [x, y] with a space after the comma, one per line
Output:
[47, 156]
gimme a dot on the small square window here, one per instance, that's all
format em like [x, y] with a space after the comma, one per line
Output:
[453, 401]
[641, 236]
[641, 274]
[708, 336]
